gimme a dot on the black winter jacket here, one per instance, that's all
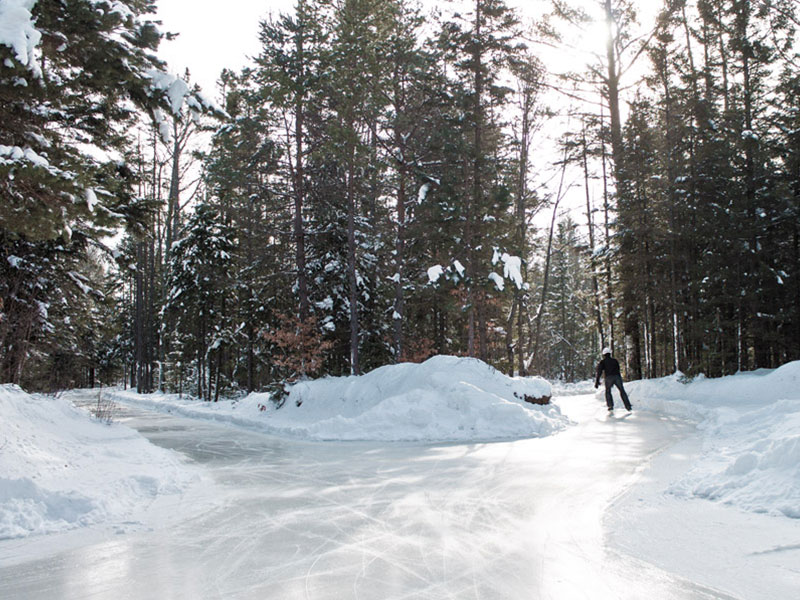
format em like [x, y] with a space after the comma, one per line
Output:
[608, 365]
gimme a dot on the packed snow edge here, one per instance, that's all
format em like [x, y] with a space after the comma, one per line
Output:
[444, 399]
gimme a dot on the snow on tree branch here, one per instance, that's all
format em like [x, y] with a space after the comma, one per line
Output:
[18, 33]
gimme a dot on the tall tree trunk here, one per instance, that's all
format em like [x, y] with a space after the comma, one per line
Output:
[534, 355]
[510, 335]
[632, 335]
[399, 299]
[672, 173]
[607, 240]
[520, 216]
[476, 300]
[598, 313]
[139, 313]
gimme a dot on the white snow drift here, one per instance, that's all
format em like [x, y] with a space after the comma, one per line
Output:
[61, 469]
[751, 436]
[446, 398]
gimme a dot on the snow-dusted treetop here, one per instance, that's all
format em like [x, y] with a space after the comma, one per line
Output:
[75, 76]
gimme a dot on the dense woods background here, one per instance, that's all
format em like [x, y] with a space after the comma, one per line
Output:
[297, 230]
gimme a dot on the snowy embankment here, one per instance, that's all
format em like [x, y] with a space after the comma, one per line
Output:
[60, 468]
[446, 398]
[751, 436]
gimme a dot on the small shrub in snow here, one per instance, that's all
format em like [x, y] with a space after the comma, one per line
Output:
[104, 408]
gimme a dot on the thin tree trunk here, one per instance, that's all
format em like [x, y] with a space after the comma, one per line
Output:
[510, 336]
[527, 102]
[477, 189]
[607, 242]
[545, 279]
[399, 299]
[534, 353]
[351, 260]
[299, 183]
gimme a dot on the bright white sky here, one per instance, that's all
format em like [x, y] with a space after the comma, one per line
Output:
[214, 35]
[218, 34]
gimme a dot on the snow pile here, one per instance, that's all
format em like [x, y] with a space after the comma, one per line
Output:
[61, 469]
[752, 460]
[434, 273]
[751, 447]
[512, 266]
[446, 398]
[11, 154]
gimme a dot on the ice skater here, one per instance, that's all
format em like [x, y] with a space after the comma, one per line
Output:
[613, 377]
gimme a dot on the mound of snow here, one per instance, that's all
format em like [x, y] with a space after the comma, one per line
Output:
[445, 398]
[61, 469]
[751, 447]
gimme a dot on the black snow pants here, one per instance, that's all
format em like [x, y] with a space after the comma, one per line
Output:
[616, 380]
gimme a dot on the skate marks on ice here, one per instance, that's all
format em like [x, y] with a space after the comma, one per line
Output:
[508, 520]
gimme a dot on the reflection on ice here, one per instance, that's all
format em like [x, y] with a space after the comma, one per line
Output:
[291, 519]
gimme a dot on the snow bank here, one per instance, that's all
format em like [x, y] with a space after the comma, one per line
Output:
[751, 426]
[750, 459]
[446, 398]
[61, 469]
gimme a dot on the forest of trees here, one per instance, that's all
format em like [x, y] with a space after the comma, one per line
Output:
[374, 188]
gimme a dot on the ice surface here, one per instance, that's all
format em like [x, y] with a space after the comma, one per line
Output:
[595, 512]
[324, 521]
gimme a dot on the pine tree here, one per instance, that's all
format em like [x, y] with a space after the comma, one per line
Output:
[480, 45]
[200, 296]
[244, 183]
[88, 70]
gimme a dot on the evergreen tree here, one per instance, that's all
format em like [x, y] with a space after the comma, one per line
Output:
[65, 102]
[480, 45]
[200, 297]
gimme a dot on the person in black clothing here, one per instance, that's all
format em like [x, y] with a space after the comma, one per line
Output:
[613, 377]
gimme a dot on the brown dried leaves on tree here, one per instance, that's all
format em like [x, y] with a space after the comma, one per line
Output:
[299, 346]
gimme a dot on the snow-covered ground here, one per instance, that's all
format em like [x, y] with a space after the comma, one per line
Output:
[691, 496]
[61, 469]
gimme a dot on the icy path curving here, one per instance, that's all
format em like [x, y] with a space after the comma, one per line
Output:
[292, 520]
